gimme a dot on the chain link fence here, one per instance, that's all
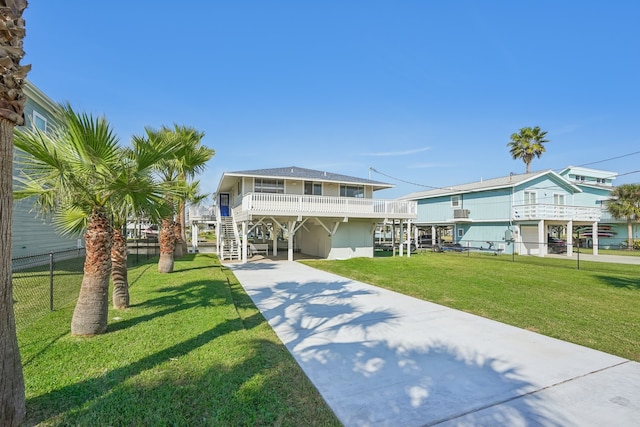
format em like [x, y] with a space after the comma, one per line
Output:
[50, 281]
[611, 251]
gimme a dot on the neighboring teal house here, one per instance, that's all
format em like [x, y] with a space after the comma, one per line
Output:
[519, 212]
[32, 235]
[596, 186]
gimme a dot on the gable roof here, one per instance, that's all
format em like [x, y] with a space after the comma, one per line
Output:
[294, 172]
[510, 181]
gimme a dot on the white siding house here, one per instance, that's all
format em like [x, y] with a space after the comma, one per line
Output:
[317, 213]
[32, 235]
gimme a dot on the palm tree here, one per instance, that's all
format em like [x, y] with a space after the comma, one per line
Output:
[188, 159]
[12, 99]
[165, 169]
[77, 173]
[146, 199]
[625, 204]
[527, 144]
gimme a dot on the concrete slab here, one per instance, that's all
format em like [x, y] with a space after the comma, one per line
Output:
[380, 358]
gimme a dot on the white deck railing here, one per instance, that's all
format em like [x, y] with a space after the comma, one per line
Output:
[556, 212]
[291, 204]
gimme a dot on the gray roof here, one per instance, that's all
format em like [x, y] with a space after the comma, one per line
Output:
[487, 184]
[307, 174]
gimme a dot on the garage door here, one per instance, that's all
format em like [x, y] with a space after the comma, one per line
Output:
[530, 239]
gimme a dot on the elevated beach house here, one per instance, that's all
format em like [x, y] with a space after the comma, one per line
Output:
[293, 209]
[519, 213]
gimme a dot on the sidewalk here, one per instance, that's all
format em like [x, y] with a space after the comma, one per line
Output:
[384, 359]
[614, 259]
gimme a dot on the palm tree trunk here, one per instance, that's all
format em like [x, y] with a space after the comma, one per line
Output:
[167, 242]
[629, 234]
[92, 309]
[12, 99]
[119, 271]
[177, 232]
[12, 397]
[182, 217]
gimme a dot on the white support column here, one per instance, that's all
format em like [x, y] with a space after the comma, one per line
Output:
[401, 235]
[433, 235]
[393, 237]
[194, 237]
[274, 237]
[595, 238]
[244, 242]
[409, 239]
[291, 233]
[542, 239]
[569, 238]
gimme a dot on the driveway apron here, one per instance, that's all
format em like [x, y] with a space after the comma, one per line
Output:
[380, 358]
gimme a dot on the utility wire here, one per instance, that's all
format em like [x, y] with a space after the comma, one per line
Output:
[453, 188]
[408, 182]
[612, 158]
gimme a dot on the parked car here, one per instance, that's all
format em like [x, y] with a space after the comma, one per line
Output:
[556, 245]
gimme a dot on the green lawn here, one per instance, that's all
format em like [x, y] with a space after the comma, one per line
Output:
[192, 350]
[597, 306]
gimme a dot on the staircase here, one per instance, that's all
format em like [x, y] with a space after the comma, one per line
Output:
[230, 239]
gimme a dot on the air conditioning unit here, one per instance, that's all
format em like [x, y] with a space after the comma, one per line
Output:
[461, 213]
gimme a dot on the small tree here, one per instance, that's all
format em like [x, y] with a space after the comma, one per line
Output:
[527, 144]
[625, 204]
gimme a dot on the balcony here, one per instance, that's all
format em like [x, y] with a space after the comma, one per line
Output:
[264, 204]
[556, 212]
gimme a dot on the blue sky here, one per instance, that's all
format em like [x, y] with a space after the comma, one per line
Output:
[426, 92]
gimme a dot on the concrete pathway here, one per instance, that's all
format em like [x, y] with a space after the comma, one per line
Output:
[611, 259]
[380, 358]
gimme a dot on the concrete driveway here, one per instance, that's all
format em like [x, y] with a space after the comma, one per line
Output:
[384, 359]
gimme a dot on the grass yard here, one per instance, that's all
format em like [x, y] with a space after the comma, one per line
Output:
[597, 306]
[192, 350]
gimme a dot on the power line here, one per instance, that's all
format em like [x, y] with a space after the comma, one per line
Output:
[408, 182]
[612, 158]
[454, 189]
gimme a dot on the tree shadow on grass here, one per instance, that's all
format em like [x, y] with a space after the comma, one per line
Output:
[77, 395]
[174, 298]
[631, 283]
[368, 377]
[246, 393]
[156, 390]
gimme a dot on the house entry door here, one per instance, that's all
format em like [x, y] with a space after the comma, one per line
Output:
[224, 204]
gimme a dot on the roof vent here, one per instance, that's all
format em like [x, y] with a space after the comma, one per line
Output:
[291, 170]
[325, 173]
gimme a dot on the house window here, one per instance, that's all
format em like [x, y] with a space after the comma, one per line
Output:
[262, 185]
[240, 187]
[558, 199]
[529, 198]
[460, 233]
[39, 121]
[580, 178]
[601, 180]
[455, 201]
[351, 190]
[313, 188]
